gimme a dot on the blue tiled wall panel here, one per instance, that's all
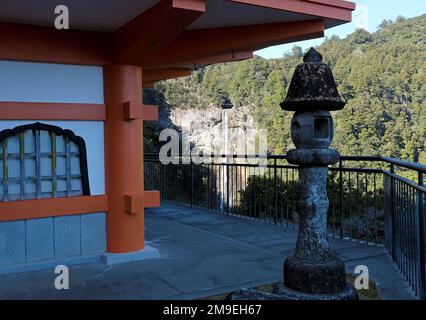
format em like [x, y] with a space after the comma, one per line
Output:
[93, 224]
[67, 236]
[12, 242]
[52, 239]
[40, 240]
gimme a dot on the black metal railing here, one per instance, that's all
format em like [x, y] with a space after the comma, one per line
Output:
[405, 226]
[372, 200]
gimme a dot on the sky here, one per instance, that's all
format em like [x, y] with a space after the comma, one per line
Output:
[369, 14]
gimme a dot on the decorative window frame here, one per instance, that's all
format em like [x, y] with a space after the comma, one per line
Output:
[79, 141]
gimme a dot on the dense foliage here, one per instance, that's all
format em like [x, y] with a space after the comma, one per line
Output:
[381, 75]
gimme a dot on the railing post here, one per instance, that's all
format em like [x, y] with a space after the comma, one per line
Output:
[421, 238]
[275, 191]
[192, 182]
[227, 186]
[341, 197]
[393, 212]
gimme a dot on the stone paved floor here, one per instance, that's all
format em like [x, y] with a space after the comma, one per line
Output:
[202, 254]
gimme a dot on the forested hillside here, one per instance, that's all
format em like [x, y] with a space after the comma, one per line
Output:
[381, 75]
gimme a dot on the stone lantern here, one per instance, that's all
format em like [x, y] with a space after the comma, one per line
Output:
[314, 271]
[226, 103]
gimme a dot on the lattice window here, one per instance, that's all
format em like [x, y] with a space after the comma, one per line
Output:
[42, 161]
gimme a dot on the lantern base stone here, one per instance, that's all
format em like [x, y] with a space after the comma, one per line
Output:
[283, 293]
[348, 293]
[316, 277]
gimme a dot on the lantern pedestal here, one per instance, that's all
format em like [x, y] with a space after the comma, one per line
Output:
[284, 293]
[314, 272]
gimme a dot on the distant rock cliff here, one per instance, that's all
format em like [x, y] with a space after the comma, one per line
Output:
[204, 128]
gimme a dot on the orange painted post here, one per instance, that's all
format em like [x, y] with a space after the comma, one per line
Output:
[124, 159]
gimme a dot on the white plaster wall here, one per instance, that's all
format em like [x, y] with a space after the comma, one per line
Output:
[46, 82]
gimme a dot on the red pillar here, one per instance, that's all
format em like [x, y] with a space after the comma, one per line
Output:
[124, 160]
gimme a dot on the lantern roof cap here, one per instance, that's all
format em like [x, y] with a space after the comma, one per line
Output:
[313, 86]
[312, 56]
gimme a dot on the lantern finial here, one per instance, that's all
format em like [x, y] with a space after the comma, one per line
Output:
[312, 56]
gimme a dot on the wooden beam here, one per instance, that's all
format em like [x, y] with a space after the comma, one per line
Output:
[45, 44]
[336, 3]
[148, 37]
[148, 84]
[51, 111]
[154, 29]
[134, 110]
[152, 76]
[188, 65]
[333, 9]
[149, 112]
[41, 208]
[155, 75]
[197, 44]
[152, 199]
[229, 57]
[134, 204]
